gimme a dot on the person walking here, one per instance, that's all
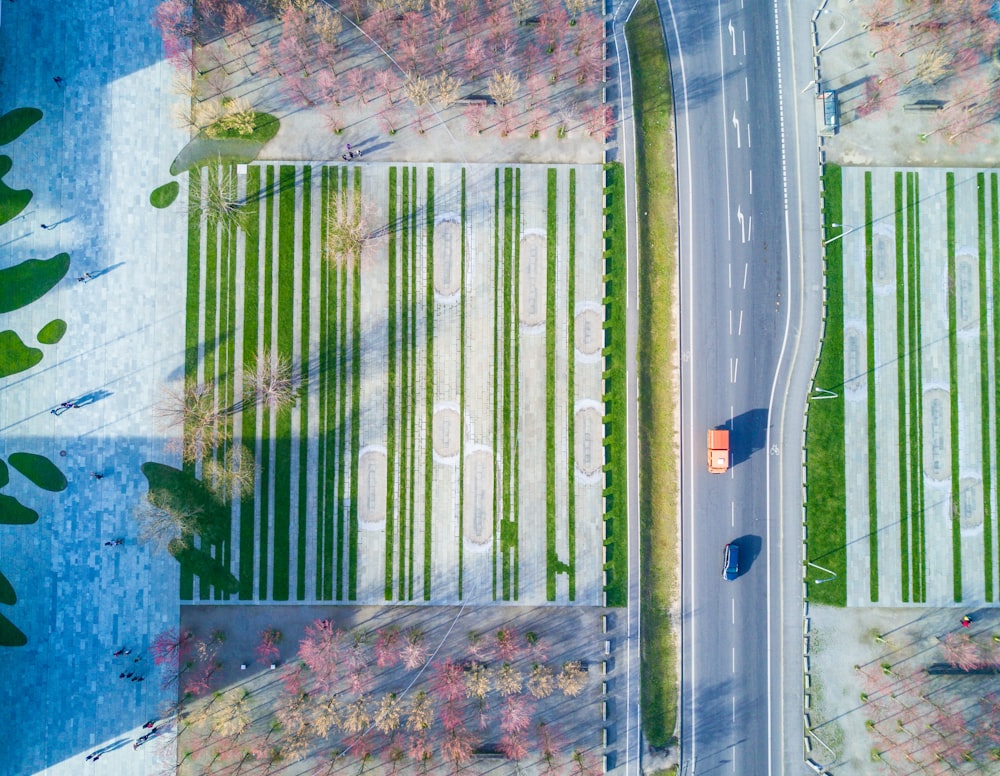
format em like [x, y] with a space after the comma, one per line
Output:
[60, 81]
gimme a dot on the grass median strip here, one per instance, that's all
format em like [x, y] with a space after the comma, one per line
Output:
[551, 555]
[956, 534]
[248, 418]
[304, 358]
[390, 509]
[570, 382]
[355, 356]
[915, 370]
[904, 485]
[870, 382]
[659, 472]
[984, 391]
[429, 393]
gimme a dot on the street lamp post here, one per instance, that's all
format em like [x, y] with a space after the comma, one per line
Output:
[843, 23]
[848, 227]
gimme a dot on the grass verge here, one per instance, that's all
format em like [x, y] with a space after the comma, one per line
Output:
[551, 556]
[870, 371]
[659, 464]
[956, 484]
[825, 483]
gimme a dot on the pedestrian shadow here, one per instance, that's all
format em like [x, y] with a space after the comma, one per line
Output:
[91, 398]
[97, 273]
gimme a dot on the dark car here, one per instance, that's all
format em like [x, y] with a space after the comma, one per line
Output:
[731, 564]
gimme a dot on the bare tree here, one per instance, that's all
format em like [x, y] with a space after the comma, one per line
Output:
[933, 65]
[232, 477]
[235, 115]
[158, 527]
[445, 89]
[418, 89]
[503, 87]
[196, 408]
[269, 381]
[572, 678]
[348, 228]
[220, 201]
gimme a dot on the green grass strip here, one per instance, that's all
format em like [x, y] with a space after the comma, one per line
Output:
[352, 554]
[322, 372]
[870, 368]
[901, 363]
[210, 335]
[919, 564]
[429, 388]
[616, 441]
[342, 463]
[227, 356]
[984, 392]
[412, 409]
[300, 589]
[265, 414]
[515, 466]
[248, 417]
[499, 554]
[283, 420]
[995, 267]
[571, 385]
[956, 534]
[405, 375]
[390, 509]
[826, 482]
[508, 532]
[551, 555]
[192, 334]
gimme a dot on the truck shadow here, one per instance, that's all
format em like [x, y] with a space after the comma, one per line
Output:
[747, 434]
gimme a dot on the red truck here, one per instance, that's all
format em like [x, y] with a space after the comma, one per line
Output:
[718, 450]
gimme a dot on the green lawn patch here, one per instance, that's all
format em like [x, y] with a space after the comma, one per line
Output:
[4, 474]
[13, 512]
[210, 572]
[15, 356]
[825, 484]
[233, 150]
[12, 201]
[164, 196]
[40, 470]
[15, 123]
[52, 332]
[179, 493]
[10, 634]
[30, 280]
[7, 594]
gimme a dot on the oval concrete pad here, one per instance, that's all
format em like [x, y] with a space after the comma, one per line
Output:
[589, 333]
[447, 432]
[447, 258]
[477, 523]
[966, 292]
[970, 503]
[937, 458]
[371, 487]
[533, 279]
[589, 441]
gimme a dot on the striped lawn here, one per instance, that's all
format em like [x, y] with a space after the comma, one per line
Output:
[296, 536]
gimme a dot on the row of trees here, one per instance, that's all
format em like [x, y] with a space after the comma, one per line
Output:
[935, 722]
[530, 64]
[942, 48]
[359, 696]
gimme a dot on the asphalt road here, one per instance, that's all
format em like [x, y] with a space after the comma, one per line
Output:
[740, 272]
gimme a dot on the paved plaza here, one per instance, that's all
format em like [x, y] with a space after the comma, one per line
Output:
[920, 339]
[105, 142]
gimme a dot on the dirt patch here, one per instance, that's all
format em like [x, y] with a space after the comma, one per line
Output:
[589, 332]
[533, 280]
[589, 438]
[447, 258]
[478, 523]
[447, 432]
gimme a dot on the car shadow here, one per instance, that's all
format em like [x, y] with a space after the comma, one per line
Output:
[750, 546]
